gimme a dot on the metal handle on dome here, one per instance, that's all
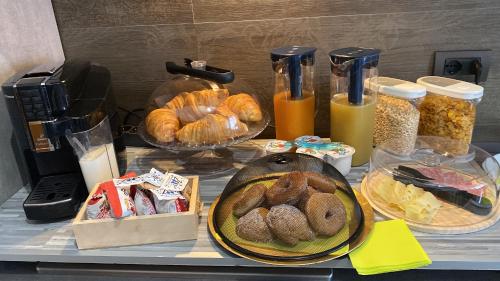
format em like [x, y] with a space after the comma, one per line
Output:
[215, 74]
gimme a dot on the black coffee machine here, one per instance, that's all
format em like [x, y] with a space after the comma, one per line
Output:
[45, 104]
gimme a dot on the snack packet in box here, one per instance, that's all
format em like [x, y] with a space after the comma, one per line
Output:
[119, 198]
[143, 204]
[177, 205]
[166, 201]
[98, 206]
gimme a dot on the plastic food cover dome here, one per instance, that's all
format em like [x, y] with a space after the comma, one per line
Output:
[201, 107]
[434, 188]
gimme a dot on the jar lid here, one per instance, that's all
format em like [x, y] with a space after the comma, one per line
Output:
[396, 87]
[451, 87]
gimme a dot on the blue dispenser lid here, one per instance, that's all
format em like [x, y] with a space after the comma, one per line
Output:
[361, 58]
[364, 55]
[289, 51]
[295, 55]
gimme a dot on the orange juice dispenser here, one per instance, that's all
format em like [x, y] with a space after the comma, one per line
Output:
[352, 109]
[294, 99]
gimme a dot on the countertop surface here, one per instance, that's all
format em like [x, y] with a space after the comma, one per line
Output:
[21, 240]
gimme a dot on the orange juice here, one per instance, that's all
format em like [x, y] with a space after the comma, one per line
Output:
[293, 117]
[353, 125]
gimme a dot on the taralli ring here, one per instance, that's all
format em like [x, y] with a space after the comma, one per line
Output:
[252, 198]
[320, 182]
[287, 189]
[326, 213]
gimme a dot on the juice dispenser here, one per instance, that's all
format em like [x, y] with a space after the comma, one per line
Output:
[352, 110]
[294, 99]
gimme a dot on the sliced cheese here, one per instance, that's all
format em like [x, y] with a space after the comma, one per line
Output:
[417, 204]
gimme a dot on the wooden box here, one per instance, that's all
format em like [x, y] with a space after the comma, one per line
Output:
[137, 230]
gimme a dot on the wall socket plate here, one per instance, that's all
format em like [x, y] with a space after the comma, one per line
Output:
[458, 64]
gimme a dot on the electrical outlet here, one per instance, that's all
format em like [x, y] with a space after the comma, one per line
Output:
[472, 66]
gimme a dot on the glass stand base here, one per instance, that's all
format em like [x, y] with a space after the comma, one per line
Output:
[206, 164]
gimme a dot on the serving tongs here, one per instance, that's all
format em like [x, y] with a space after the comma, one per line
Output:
[478, 205]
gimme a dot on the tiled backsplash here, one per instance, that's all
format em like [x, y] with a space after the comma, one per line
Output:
[134, 38]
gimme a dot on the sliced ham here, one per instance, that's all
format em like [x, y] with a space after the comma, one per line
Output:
[453, 179]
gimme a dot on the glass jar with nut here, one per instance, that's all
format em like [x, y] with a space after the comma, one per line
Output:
[397, 112]
[449, 109]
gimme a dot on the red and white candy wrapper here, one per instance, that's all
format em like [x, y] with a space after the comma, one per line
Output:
[143, 204]
[98, 207]
[177, 205]
[181, 205]
[165, 201]
[119, 199]
[127, 202]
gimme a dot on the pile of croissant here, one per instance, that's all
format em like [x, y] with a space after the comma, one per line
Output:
[203, 117]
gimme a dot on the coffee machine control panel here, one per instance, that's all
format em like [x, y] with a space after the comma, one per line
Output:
[33, 105]
[32, 100]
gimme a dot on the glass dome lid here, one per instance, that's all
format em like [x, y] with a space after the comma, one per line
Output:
[201, 107]
[435, 185]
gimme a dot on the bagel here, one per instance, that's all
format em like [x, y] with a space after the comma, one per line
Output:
[320, 182]
[253, 227]
[289, 224]
[326, 213]
[252, 198]
[288, 189]
[305, 196]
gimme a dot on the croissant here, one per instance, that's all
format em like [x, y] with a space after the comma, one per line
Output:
[162, 124]
[213, 128]
[244, 106]
[177, 102]
[195, 105]
[211, 97]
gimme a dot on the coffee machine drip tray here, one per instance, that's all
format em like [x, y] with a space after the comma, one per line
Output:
[55, 197]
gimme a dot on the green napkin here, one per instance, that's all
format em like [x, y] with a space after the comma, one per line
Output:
[390, 247]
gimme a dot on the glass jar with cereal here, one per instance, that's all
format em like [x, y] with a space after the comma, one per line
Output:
[397, 112]
[449, 109]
